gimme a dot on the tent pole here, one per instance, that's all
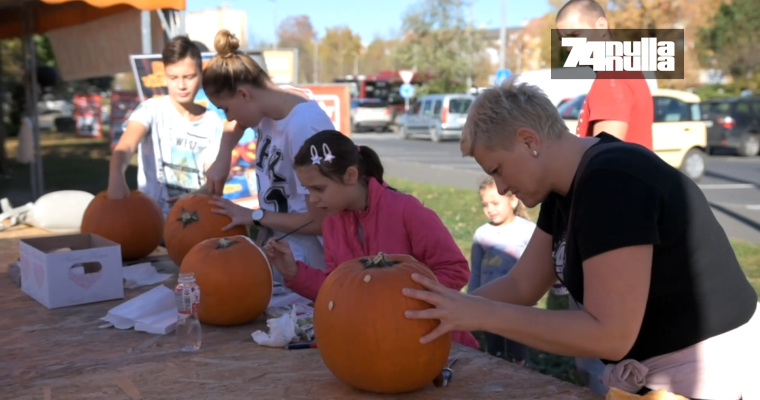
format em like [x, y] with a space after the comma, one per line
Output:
[32, 98]
[147, 40]
[3, 133]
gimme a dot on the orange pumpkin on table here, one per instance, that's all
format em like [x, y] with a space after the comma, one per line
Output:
[190, 222]
[362, 333]
[135, 222]
[235, 280]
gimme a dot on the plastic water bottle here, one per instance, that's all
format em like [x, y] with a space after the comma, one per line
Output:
[188, 296]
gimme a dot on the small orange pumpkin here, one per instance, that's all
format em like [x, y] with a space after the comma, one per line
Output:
[190, 221]
[364, 337]
[135, 222]
[235, 280]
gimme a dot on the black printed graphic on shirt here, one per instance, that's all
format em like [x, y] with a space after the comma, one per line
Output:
[268, 161]
[559, 254]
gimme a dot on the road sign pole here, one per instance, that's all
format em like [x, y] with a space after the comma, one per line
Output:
[406, 104]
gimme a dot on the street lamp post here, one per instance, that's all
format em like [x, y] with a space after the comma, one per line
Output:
[274, 21]
[503, 36]
[315, 73]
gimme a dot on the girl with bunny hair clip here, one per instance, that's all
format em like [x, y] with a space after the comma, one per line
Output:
[364, 216]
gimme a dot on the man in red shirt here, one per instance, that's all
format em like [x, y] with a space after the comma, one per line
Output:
[621, 107]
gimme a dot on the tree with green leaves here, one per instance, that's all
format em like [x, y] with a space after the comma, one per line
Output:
[730, 44]
[440, 41]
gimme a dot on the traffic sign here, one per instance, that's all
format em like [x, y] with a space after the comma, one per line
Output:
[406, 75]
[406, 91]
[502, 75]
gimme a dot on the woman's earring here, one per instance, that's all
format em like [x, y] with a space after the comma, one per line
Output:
[535, 153]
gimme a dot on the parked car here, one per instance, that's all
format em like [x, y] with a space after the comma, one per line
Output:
[679, 135]
[372, 114]
[733, 123]
[437, 116]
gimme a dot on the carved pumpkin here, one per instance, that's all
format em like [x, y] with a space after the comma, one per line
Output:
[190, 221]
[364, 337]
[235, 280]
[135, 222]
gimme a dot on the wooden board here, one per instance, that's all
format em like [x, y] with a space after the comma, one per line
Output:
[62, 354]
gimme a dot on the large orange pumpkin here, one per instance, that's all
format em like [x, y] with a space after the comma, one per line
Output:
[235, 280]
[135, 222]
[190, 221]
[362, 333]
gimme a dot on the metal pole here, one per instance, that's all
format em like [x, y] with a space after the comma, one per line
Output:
[315, 73]
[3, 153]
[503, 36]
[31, 100]
[274, 15]
[469, 38]
[146, 34]
[182, 26]
[356, 64]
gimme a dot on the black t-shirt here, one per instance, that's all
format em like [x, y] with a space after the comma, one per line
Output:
[628, 196]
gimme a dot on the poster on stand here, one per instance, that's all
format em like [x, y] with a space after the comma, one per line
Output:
[241, 185]
[335, 100]
[87, 114]
[122, 105]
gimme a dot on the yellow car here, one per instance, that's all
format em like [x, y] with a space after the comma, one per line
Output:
[679, 135]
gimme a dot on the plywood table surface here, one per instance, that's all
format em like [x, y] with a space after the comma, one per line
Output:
[63, 354]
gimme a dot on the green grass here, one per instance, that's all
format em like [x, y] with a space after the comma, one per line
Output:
[461, 212]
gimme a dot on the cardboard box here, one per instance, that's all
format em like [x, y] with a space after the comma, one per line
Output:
[66, 270]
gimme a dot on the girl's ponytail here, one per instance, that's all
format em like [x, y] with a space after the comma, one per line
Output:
[371, 161]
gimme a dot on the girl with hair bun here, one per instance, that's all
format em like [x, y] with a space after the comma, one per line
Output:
[285, 117]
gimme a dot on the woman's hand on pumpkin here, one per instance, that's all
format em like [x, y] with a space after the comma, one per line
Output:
[455, 310]
[279, 254]
[237, 213]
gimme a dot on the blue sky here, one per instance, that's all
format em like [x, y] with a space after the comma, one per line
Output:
[383, 18]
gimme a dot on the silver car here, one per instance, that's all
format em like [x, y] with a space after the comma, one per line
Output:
[437, 116]
[370, 114]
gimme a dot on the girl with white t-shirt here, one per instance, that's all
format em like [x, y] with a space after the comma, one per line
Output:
[496, 247]
[284, 118]
[175, 138]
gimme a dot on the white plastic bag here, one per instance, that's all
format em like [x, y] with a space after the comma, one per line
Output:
[60, 211]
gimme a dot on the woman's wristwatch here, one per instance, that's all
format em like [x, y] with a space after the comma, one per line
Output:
[257, 215]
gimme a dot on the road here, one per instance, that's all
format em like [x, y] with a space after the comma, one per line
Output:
[731, 183]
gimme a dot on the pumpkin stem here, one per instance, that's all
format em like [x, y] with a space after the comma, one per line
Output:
[379, 261]
[225, 243]
[188, 217]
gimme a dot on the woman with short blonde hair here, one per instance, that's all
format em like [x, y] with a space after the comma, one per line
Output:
[665, 302]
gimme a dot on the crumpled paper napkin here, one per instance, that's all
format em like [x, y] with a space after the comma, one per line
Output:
[142, 274]
[282, 330]
[286, 325]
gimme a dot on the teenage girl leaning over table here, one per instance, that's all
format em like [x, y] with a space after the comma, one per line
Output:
[365, 216]
[284, 118]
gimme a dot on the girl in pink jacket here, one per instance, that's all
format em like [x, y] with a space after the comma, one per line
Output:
[365, 216]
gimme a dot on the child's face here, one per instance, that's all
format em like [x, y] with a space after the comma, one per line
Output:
[183, 80]
[497, 208]
[328, 195]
